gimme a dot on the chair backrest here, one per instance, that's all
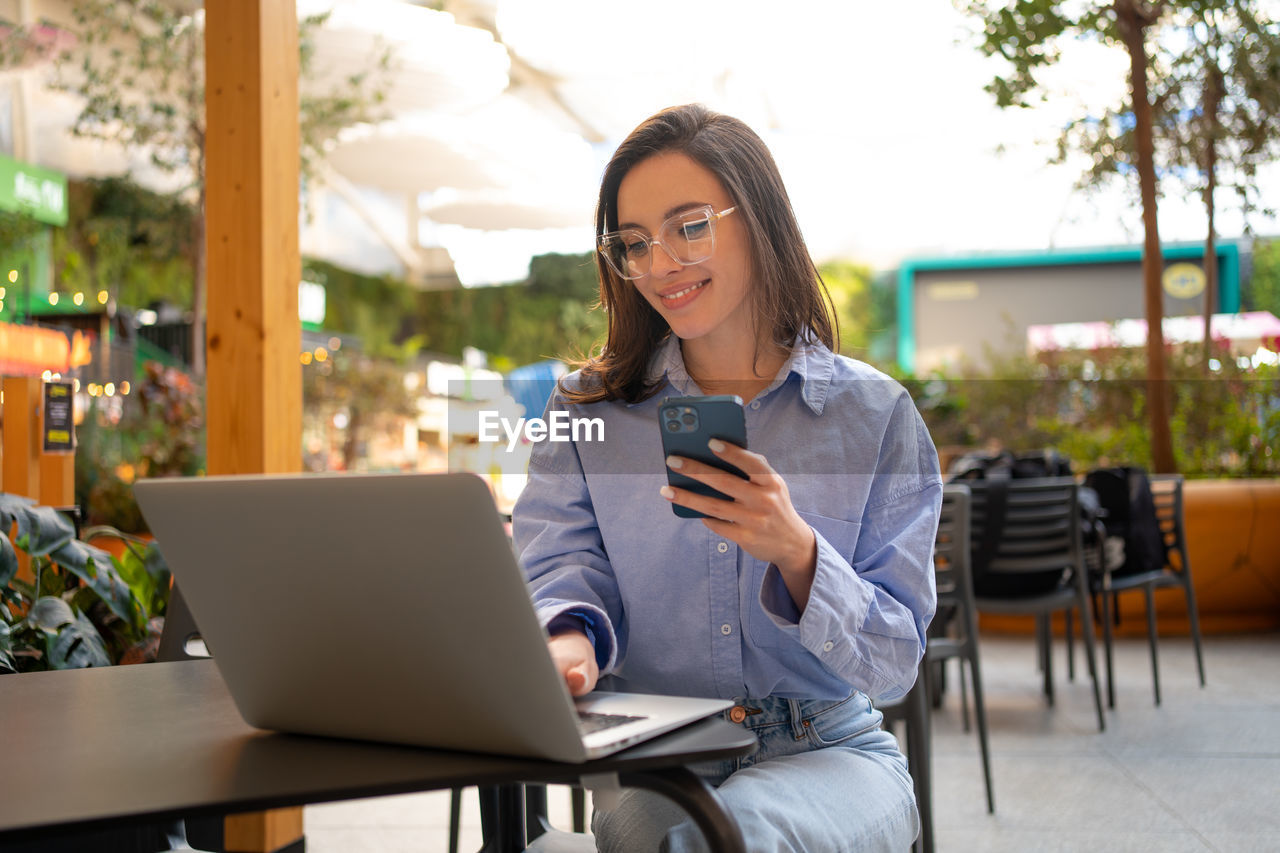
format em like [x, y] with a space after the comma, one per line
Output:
[951, 554]
[1029, 528]
[1166, 491]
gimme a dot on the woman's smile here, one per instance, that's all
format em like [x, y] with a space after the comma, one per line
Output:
[681, 295]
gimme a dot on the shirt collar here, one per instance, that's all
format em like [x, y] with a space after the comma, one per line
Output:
[811, 363]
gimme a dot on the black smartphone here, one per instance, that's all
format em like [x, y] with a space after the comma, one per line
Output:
[688, 423]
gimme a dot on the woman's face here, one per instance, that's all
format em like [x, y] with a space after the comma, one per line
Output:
[707, 300]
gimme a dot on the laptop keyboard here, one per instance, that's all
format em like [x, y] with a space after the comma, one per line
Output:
[589, 722]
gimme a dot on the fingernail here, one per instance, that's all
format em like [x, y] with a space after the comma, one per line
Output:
[675, 462]
[667, 492]
[716, 445]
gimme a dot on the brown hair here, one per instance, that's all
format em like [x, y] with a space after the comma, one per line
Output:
[787, 294]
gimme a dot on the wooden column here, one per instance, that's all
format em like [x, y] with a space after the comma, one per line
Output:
[22, 401]
[20, 474]
[254, 378]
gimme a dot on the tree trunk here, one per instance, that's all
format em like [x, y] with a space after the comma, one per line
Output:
[1213, 128]
[1133, 18]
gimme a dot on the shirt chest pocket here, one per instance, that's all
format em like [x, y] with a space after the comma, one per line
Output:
[765, 632]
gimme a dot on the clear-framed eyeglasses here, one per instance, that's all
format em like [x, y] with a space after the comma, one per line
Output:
[688, 238]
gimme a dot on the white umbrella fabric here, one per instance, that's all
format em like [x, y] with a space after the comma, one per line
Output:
[436, 63]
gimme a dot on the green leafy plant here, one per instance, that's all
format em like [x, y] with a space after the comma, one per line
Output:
[155, 431]
[1091, 406]
[76, 605]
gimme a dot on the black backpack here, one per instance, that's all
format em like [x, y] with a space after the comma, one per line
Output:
[996, 468]
[1129, 514]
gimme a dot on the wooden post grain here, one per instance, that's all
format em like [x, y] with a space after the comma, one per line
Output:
[254, 378]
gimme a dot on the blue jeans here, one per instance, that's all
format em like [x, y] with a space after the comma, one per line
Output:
[826, 778]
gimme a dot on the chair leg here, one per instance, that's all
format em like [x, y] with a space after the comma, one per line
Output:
[1045, 641]
[1152, 640]
[455, 818]
[578, 798]
[980, 714]
[1109, 603]
[964, 696]
[1194, 615]
[1068, 633]
[1086, 628]
[919, 759]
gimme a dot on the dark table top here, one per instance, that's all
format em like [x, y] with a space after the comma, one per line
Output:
[100, 746]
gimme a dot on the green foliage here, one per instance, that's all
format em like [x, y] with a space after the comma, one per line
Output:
[139, 65]
[157, 430]
[850, 287]
[551, 315]
[1215, 82]
[1092, 408]
[78, 606]
[365, 388]
[1029, 35]
[128, 241]
[1264, 285]
[376, 309]
[16, 231]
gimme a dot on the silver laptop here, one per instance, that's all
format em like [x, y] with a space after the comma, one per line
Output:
[384, 607]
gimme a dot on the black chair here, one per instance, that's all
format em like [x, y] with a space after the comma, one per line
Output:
[954, 635]
[1166, 490]
[913, 712]
[1028, 558]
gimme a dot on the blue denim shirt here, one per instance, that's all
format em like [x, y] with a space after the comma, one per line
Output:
[673, 608]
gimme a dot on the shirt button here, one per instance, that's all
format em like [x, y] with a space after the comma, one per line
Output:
[828, 646]
[722, 547]
[755, 404]
[726, 629]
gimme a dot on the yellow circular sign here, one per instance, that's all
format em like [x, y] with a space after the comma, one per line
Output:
[1183, 281]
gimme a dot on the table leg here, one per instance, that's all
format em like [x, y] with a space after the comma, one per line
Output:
[687, 790]
[502, 818]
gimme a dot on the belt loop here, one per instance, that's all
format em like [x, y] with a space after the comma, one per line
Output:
[797, 724]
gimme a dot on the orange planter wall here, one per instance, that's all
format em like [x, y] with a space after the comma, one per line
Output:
[1233, 540]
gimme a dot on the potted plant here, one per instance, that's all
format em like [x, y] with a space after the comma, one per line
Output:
[77, 606]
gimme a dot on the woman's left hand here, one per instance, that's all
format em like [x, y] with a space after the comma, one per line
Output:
[760, 518]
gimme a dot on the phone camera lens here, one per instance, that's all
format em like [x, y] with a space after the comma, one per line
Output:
[671, 414]
[690, 418]
[673, 426]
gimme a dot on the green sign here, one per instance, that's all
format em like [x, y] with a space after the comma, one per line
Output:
[39, 193]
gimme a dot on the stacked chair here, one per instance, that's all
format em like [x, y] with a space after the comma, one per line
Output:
[1029, 559]
[1167, 563]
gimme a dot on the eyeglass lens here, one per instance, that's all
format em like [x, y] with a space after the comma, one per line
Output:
[689, 238]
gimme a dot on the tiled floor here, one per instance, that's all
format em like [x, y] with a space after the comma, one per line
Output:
[1199, 773]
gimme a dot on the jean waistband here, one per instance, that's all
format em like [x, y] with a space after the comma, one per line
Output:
[779, 711]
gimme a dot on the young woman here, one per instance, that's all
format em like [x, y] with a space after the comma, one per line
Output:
[806, 595]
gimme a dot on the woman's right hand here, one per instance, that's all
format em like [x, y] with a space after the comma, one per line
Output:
[575, 660]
